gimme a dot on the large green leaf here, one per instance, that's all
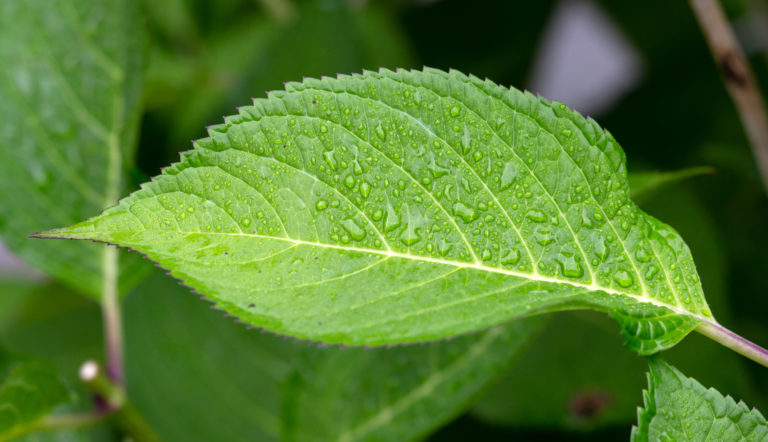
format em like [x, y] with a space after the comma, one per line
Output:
[404, 206]
[28, 392]
[397, 393]
[252, 386]
[680, 408]
[70, 87]
[211, 379]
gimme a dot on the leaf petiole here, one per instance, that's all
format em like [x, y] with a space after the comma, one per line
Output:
[740, 345]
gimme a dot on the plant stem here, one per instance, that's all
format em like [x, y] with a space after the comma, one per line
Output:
[114, 403]
[738, 78]
[113, 328]
[740, 345]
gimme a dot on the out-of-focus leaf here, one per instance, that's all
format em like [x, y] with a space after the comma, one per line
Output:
[29, 391]
[57, 324]
[394, 394]
[13, 292]
[211, 378]
[70, 90]
[680, 408]
[642, 185]
[196, 375]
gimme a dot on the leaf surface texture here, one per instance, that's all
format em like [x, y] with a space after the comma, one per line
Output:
[406, 206]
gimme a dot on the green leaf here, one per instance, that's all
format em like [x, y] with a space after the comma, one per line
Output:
[71, 85]
[600, 394]
[29, 391]
[680, 408]
[405, 206]
[397, 393]
[644, 184]
[196, 375]
[250, 385]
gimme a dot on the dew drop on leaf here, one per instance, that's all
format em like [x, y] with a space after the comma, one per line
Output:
[355, 231]
[467, 213]
[623, 278]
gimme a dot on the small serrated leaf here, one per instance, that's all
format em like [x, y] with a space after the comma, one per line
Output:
[680, 408]
[405, 206]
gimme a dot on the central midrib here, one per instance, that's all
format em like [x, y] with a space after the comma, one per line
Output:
[464, 265]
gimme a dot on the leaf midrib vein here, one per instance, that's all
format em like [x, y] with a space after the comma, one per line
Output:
[479, 267]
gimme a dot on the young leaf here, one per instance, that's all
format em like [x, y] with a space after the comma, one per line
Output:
[405, 206]
[399, 393]
[680, 408]
[70, 90]
[29, 391]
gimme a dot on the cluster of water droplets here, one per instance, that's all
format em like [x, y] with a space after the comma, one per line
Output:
[451, 174]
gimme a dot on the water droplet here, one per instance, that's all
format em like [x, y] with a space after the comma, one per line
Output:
[365, 189]
[410, 236]
[380, 132]
[377, 215]
[569, 265]
[321, 204]
[466, 139]
[623, 278]
[393, 220]
[599, 248]
[246, 222]
[543, 237]
[642, 255]
[478, 155]
[512, 257]
[328, 156]
[355, 231]
[508, 175]
[455, 111]
[536, 216]
[487, 254]
[349, 181]
[435, 169]
[467, 213]
[323, 129]
[444, 247]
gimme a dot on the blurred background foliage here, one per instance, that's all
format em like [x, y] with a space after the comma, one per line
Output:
[642, 69]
